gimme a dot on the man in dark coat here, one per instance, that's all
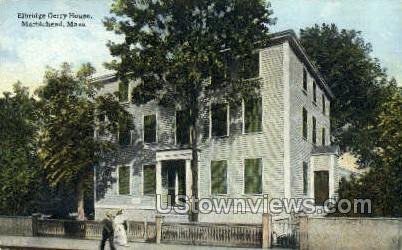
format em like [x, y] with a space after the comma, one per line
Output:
[108, 232]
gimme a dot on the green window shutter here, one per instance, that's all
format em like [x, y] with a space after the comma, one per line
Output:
[323, 142]
[314, 131]
[124, 130]
[304, 123]
[219, 177]
[253, 115]
[314, 92]
[124, 180]
[183, 124]
[253, 176]
[305, 178]
[219, 120]
[150, 128]
[250, 66]
[323, 104]
[123, 92]
[149, 180]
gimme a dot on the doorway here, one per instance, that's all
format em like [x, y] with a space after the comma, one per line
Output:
[321, 187]
[173, 182]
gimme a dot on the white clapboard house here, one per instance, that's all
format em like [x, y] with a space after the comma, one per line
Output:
[275, 146]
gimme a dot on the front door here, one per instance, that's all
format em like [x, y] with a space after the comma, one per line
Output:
[321, 187]
[173, 181]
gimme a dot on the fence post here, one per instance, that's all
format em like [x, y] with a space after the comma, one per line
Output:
[35, 225]
[158, 228]
[266, 230]
[303, 234]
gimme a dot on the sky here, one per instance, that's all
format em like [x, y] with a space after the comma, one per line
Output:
[26, 51]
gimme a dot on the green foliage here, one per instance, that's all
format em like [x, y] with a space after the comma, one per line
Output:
[359, 84]
[171, 47]
[20, 175]
[383, 183]
[69, 107]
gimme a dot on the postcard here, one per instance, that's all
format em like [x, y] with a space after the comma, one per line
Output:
[160, 124]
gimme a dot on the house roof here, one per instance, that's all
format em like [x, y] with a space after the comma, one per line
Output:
[291, 37]
[108, 78]
[275, 38]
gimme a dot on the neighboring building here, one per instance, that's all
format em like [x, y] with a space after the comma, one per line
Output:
[277, 145]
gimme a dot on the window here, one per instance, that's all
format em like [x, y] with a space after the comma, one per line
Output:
[314, 131]
[321, 187]
[304, 123]
[149, 128]
[305, 79]
[305, 177]
[323, 137]
[124, 180]
[149, 180]
[250, 66]
[253, 115]
[244, 67]
[124, 134]
[253, 176]
[123, 92]
[219, 75]
[219, 119]
[323, 104]
[183, 123]
[218, 177]
[314, 92]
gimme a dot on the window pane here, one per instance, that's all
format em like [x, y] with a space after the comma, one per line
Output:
[305, 79]
[253, 115]
[149, 180]
[321, 188]
[253, 176]
[314, 131]
[305, 177]
[150, 128]
[218, 177]
[123, 92]
[183, 123]
[304, 123]
[124, 180]
[219, 119]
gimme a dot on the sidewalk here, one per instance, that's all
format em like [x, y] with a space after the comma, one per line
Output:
[72, 244]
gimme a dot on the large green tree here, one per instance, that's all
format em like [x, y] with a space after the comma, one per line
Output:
[358, 81]
[171, 47]
[20, 175]
[383, 183]
[69, 108]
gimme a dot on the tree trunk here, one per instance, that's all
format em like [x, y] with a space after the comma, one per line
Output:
[80, 198]
[194, 163]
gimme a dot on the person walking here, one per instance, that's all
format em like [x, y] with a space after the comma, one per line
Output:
[108, 231]
[120, 236]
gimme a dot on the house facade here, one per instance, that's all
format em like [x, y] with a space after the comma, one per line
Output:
[275, 146]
